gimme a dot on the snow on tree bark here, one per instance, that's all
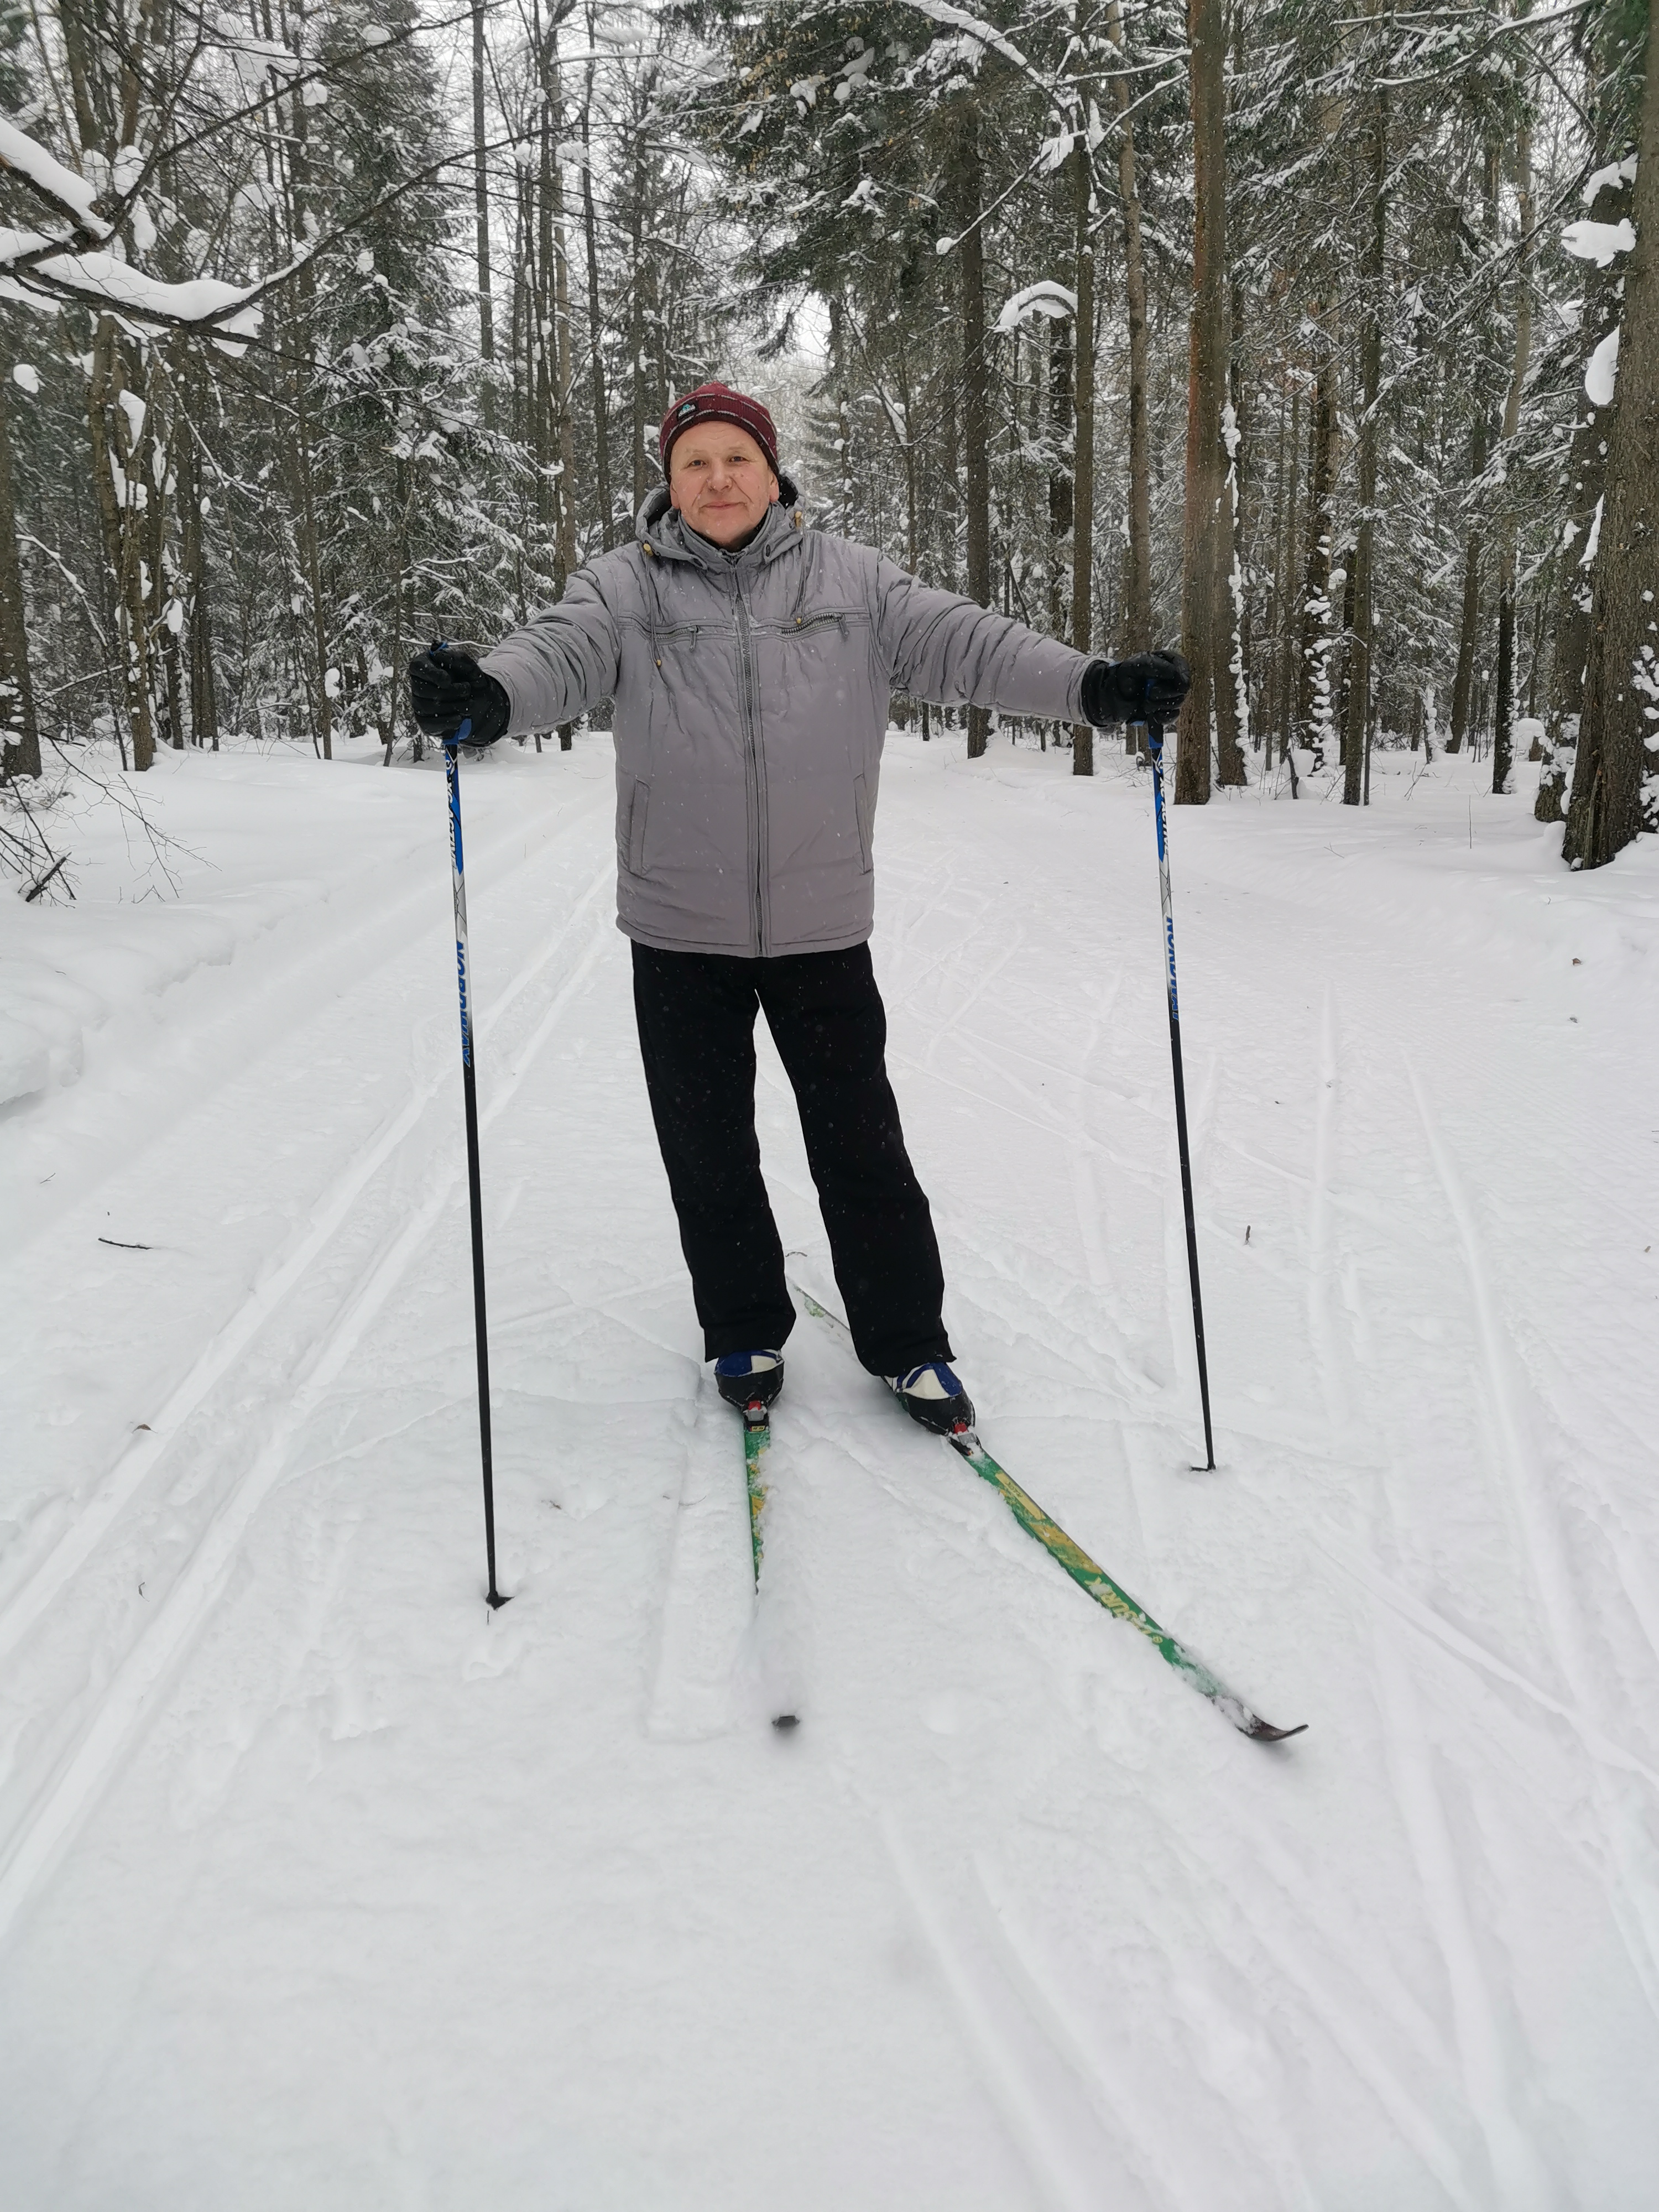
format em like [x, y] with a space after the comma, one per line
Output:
[1615, 785]
[1207, 537]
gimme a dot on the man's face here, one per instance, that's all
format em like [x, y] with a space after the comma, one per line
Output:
[720, 481]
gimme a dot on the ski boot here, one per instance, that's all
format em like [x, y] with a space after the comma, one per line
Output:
[931, 1395]
[749, 1379]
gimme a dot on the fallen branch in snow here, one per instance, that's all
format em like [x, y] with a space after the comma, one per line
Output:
[35, 889]
[22, 856]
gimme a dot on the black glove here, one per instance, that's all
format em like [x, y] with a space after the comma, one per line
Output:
[1147, 687]
[446, 687]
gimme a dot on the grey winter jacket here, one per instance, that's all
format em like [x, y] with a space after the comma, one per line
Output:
[750, 695]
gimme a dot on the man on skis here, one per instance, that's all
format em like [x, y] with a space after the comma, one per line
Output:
[750, 659]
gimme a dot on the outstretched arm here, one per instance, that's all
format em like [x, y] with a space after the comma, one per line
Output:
[563, 661]
[936, 645]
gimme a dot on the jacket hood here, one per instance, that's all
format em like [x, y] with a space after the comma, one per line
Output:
[663, 533]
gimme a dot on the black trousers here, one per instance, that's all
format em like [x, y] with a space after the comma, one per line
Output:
[696, 1017]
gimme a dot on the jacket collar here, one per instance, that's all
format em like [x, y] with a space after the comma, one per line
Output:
[665, 536]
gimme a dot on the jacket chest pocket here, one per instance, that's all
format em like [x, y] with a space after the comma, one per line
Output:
[678, 637]
[843, 619]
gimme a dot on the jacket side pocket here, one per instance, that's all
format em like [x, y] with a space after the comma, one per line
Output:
[861, 799]
[636, 828]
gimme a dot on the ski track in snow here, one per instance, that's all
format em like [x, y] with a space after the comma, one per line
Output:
[66, 1796]
[1636, 1887]
[1012, 1919]
[117, 1487]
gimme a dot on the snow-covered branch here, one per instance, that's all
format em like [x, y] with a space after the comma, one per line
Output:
[67, 194]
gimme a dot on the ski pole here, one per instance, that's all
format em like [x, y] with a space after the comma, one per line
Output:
[469, 1089]
[1152, 732]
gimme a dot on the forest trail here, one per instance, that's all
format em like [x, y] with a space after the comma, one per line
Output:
[320, 1884]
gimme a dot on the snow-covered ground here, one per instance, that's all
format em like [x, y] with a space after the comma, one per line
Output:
[320, 1885]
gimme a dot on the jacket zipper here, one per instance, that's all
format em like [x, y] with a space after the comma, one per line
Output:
[752, 740]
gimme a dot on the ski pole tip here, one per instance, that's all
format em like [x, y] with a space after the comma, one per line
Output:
[495, 1599]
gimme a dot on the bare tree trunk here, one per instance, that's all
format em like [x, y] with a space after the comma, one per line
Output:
[1083, 412]
[1286, 628]
[950, 490]
[1232, 719]
[310, 551]
[155, 471]
[112, 459]
[1315, 725]
[1466, 711]
[1138, 553]
[481, 216]
[20, 738]
[564, 374]
[1204, 624]
[1503, 750]
[1062, 506]
[299, 340]
[1362, 679]
[1616, 785]
[1468, 628]
[595, 318]
[1586, 477]
[637, 411]
[1283, 467]
[976, 390]
[203, 704]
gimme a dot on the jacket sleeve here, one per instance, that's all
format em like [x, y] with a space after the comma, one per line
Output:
[564, 660]
[938, 646]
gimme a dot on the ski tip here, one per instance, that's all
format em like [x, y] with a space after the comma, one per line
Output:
[1264, 1731]
[785, 1721]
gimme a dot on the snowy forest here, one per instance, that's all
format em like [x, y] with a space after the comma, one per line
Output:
[1286, 330]
[1159, 1710]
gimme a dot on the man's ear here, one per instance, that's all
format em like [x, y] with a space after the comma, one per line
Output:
[775, 494]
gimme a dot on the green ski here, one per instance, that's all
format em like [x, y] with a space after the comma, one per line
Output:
[1083, 1569]
[756, 1442]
